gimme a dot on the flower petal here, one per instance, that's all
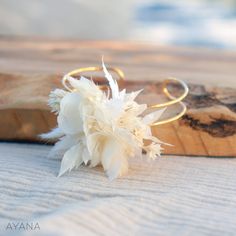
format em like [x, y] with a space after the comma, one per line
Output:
[95, 144]
[131, 96]
[87, 88]
[113, 160]
[62, 145]
[118, 167]
[152, 117]
[112, 83]
[110, 150]
[54, 100]
[69, 118]
[71, 159]
[53, 134]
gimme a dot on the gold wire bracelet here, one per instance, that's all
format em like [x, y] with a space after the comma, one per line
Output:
[93, 69]
[173, 100]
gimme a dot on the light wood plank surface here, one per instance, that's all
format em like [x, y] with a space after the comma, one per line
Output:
[169, 196]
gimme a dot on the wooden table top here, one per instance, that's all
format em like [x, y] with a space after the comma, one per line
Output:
[30, 68]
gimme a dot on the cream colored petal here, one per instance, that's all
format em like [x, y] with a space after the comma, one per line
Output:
[95, 140]
[85, 87]
[71, 159]
[126, 139]
[111, 150]
[62, 146]
[112, 83]
[69, 118]
[137, 109]
[96, 160]
[153, 150]
[152, 117]
[131, 96]
[95, 144]
[113, 160]
[53, 134]
[156, 140]
[85, 155]
[54, 100]
[118, 167]
[122, 94]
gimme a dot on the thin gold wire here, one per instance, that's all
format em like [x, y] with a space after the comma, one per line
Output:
[173, 99]
[92, 69]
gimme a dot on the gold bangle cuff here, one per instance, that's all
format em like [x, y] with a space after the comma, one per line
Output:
[173, 99]
[94, 69]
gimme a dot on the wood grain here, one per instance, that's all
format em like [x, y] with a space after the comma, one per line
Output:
[168, 196]
[29, 69]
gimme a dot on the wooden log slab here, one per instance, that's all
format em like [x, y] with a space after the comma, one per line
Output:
[29, 69]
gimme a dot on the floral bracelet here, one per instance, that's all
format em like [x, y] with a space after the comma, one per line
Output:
[105, 127]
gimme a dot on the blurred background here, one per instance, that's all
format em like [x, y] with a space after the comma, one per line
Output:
[198, 23]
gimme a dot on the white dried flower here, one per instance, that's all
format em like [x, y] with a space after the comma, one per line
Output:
[55, 99]
[94, 128]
